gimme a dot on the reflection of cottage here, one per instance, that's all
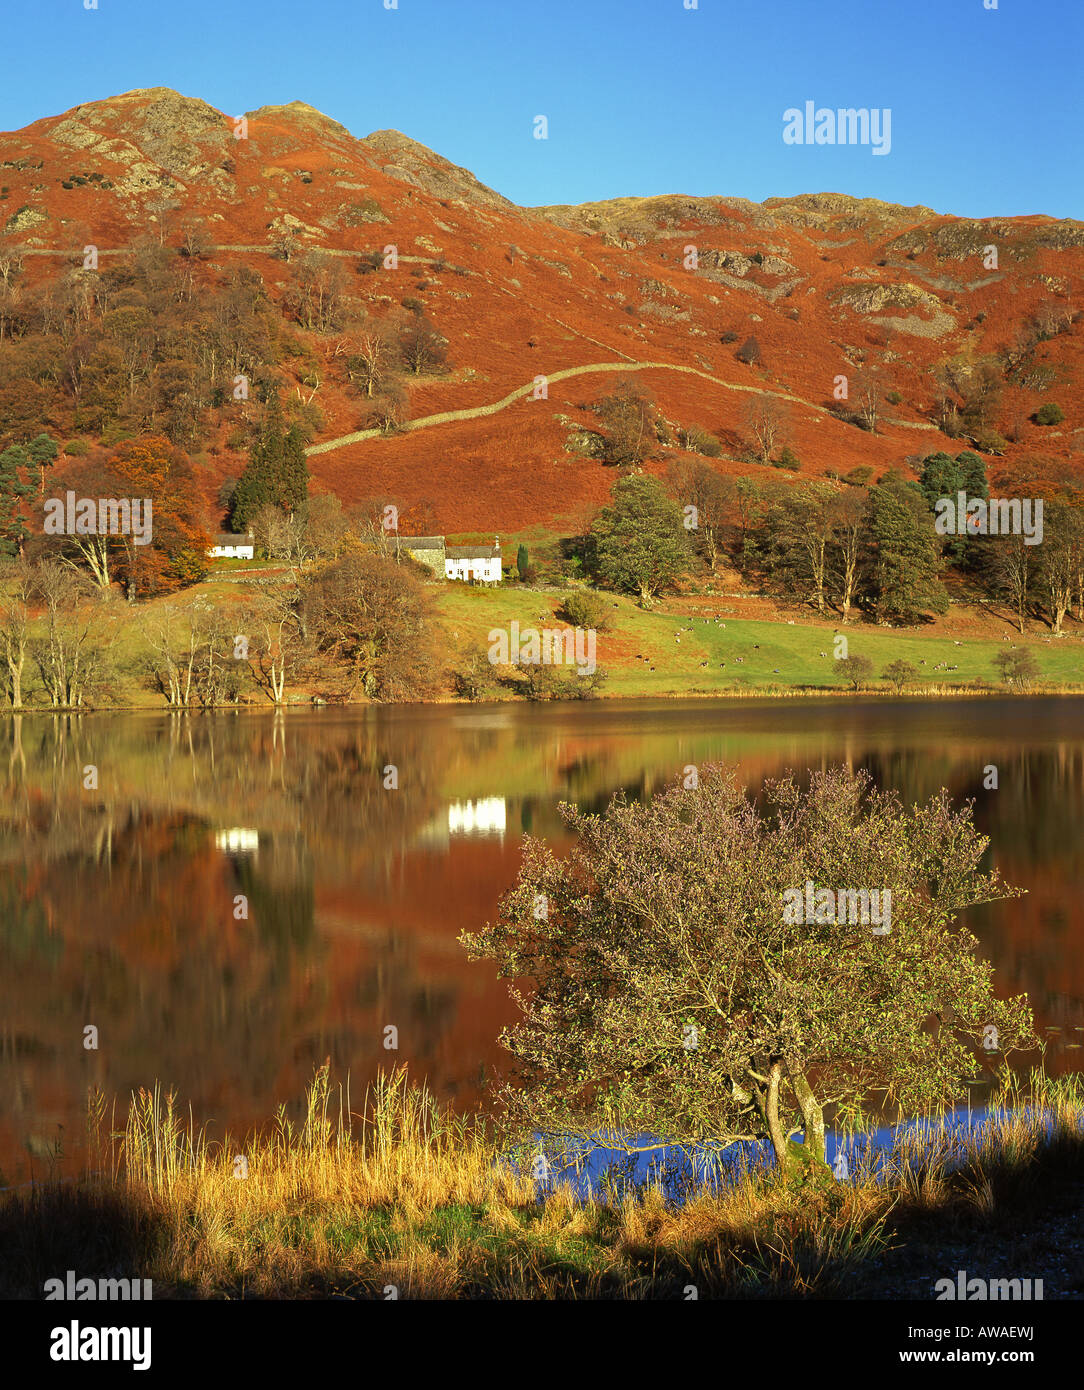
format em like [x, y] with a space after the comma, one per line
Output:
[231, 547]
[485, 817]
[477, 564]
[238, 840]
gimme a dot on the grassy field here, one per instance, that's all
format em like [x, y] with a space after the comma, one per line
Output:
[746, 655]
[666, 651]
[401, 1195]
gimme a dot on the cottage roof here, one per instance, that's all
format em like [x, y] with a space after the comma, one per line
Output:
[421, 542]
[473, 552]
[231, 538]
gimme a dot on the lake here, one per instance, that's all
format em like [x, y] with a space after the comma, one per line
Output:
[366, 840]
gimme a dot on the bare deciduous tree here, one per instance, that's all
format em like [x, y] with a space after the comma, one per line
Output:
[767, 420]
[274, 622]
[16, 586]
[68, 657]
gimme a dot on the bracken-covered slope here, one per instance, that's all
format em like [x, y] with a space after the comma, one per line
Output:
[666, 287]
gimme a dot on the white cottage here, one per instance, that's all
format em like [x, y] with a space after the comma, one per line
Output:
[475, 564]
[231, 547]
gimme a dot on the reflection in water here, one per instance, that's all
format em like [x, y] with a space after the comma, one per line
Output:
[238, 839]
[489, 816]
[243, 896]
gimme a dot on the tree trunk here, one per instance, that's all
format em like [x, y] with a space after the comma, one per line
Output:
[812, 1113]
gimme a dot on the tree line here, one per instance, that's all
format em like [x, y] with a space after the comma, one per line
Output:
[829, 546]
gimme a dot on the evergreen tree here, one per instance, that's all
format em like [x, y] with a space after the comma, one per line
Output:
[522, 562]
[940, 477]
[261, 482]
[293, 484]
[944, 476]
[972, 470]
[906, 553]
[13, 527]
[42, 452]
[640, 541]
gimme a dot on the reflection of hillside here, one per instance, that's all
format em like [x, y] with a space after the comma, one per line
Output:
[117, 905]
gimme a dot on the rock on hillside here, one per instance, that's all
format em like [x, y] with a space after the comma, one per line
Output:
[404, 158]
[149, 131]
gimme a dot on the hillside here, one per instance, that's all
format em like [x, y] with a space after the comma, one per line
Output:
[828, 284]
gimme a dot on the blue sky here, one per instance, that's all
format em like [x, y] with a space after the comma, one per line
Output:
[641, 96]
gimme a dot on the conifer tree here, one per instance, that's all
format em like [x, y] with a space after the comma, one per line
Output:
[13, 527]
[42, 453]
[906, 552]
[261, 482]
[293, 483]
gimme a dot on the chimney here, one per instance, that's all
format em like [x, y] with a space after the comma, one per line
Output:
[496, 542]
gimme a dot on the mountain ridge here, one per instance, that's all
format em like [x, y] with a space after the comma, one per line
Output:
[827, 283]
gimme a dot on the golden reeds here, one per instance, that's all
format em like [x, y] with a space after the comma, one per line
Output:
[404, 1199]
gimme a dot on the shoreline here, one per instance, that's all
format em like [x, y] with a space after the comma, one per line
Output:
[769, 693]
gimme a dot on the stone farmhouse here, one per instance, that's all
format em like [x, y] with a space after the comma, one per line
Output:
[473, 564]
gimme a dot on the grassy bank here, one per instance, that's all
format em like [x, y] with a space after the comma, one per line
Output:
[643, 656]
[672, 651]
[403, 1195]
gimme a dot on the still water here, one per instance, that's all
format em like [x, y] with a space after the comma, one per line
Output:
[117, 903]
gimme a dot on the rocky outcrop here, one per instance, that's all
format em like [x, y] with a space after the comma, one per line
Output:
[415, 163]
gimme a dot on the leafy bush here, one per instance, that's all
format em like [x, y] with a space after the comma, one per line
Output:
[1049, 414]
[900, 673]
[855, 670]
[701, 441]
[1018, 668]
[990, 442]
[860, 476]
[586, 610]
[787, 459]
[893, 397]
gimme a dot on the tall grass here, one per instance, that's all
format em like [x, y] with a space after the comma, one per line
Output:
[401, 1198]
